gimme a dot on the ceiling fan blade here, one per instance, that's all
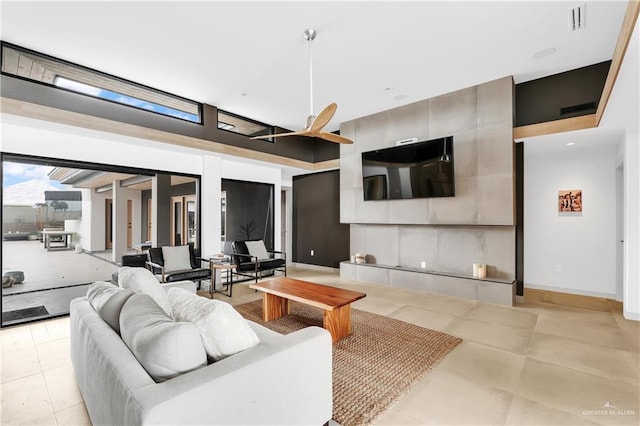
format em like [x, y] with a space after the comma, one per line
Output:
[332, 137]
[323, 118]
[277, 135]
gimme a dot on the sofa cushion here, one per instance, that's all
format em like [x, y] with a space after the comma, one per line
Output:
[176, 258]
[107, 300]
[257, 249]
[163, 347]
[141, 280]
[224, 331]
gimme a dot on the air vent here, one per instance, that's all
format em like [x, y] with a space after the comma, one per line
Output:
[578, 17]
[589, 106]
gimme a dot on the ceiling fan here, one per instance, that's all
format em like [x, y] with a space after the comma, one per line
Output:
[314, 123]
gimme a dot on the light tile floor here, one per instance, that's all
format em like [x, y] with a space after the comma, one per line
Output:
[534, 364]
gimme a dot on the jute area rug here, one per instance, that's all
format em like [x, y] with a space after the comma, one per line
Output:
[373, 367]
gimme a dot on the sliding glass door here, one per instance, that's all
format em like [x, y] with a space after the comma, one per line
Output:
[66, 225]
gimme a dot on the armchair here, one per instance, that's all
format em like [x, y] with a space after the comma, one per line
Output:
[253, 259]
[177, 263]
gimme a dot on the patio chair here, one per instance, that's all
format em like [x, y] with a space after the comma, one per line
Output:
[253, 260]
[177, 263]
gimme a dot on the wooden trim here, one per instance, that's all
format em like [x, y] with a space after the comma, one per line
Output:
[628, 24]
[568, 299]
[326, 165]
[556, 126]
[25, 109]
[592, 120]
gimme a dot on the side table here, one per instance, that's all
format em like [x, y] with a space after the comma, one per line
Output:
[215, 267]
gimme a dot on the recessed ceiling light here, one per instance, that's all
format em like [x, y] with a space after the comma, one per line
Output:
[544, 53]
[571, 143]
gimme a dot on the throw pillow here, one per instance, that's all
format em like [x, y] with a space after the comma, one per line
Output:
[224, 331]
[141, 280]
[107, 300]
[176, 258]
[257, 249]
[163, 347]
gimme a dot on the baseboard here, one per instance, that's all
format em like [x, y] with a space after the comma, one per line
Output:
[634, 316]
[564, 290]
[604, 304]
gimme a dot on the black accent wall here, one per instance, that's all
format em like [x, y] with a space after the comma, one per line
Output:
[316, 220]
[519, 157]
[249, 214]
[565, 95]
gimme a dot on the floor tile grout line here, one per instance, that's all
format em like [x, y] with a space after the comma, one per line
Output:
[22, 378]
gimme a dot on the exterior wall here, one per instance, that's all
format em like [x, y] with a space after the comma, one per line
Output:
[449, 234]
[96, 238]
[19, 219]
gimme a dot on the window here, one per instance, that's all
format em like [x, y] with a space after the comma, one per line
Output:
[243, 126]
[51, 71]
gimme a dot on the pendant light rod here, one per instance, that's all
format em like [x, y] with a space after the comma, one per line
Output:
[310, 35]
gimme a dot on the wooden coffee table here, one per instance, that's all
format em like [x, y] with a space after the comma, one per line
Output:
[335, 302]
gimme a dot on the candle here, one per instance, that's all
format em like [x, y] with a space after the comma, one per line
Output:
[476, 269]
[482, 271]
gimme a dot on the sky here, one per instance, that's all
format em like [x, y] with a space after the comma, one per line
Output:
[13, 173]
[123, 99]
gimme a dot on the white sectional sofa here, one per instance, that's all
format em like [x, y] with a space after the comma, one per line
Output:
[285, 379]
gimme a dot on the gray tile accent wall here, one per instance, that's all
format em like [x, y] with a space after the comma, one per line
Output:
[480, 119]
[449, 234]
[445, 249]
[484, 291]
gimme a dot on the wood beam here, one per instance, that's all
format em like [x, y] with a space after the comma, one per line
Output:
[556, 126]
[327, 165]
[628, 24]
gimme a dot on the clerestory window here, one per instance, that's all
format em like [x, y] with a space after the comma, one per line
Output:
[243, 126]
[44, 69]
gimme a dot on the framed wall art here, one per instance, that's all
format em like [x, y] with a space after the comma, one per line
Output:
[569, 200]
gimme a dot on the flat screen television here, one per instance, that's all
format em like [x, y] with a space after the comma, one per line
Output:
[415, 170]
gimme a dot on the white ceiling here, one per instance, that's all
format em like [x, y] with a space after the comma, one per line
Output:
[573, 141]
[368, 56]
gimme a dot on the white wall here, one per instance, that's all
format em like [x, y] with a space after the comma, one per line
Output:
[137, 225]
[38, 138]
[623, 111]
[582, 246]
[97, 240]
[211, 216]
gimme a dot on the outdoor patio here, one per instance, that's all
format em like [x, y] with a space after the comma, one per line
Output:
[51, 269]
[51, 278]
